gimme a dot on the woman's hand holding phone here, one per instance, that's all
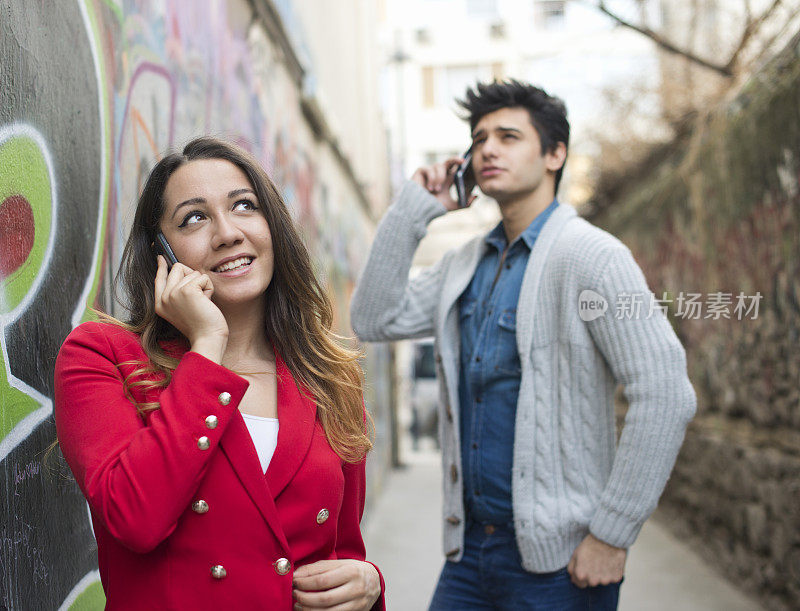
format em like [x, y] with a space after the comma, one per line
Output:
[183, 298]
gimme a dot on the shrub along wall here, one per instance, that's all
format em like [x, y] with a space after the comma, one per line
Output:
[717, 224]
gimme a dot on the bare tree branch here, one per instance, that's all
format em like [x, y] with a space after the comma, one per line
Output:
[765, 48]
[661, 41]
[751, 28]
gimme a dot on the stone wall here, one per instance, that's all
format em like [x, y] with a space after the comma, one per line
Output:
[719, 218]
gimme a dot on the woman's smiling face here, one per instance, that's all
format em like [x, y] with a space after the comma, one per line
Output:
[213, 221]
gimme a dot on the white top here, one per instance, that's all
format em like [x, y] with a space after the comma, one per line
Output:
[264, 432]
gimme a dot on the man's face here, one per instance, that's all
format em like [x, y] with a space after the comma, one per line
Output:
[508, 159]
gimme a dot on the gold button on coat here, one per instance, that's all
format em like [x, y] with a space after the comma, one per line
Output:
[282, 566]
[224, 398]
[203, 443]
[218, 572]
[200, 506]
[323, 516]
[211, 422]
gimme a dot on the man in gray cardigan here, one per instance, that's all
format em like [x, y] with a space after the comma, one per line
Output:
[535, 325]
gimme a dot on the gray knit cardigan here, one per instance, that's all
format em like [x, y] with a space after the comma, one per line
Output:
[569, 476]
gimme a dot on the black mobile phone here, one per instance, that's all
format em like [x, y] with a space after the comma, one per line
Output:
[464, 180]
[162, 247]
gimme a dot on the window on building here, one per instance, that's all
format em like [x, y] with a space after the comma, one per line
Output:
[497, 30]
[423, 36]
[442, 85]
[456, 79]
[432, 157]
[550, 13]
[498, 71]
[428, 87]
[481, 8]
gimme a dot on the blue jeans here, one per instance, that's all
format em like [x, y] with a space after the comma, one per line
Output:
[490, 577]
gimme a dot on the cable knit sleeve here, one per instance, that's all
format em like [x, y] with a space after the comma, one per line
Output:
[645, 356]
[386, 305]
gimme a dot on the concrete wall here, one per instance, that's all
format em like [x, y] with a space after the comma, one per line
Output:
[91, 93]
[721, 215]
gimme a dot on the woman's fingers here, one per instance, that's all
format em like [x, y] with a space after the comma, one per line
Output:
[161, 277]
[206, 285]
[321, 575]
[189, 278]
[336, 584]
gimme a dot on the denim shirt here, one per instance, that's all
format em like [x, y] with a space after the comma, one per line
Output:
[489, 376]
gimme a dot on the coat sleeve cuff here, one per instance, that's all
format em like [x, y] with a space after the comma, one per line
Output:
[380, 604]
[614, 528]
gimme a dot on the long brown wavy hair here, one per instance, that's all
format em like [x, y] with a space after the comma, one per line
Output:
[299, 316]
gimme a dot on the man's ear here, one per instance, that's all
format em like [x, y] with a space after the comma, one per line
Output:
[555, 158]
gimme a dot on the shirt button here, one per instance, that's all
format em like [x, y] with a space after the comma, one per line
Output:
[282, 566]
[474, 446]
[323, 516]
[224, 398]
[211, 422]
[454, 473]
[200, 506]
[477, 359]
[218, 572]
[203, 443]
[478, 399]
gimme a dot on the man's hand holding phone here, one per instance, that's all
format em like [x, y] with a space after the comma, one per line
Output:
[183, 298]
[438, 180]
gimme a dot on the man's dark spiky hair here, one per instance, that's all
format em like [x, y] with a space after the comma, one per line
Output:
[548, 113]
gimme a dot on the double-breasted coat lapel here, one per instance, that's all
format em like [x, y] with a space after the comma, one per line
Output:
[296, 417]
[297, 414]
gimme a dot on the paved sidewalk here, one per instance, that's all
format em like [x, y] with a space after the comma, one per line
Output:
[403, 537]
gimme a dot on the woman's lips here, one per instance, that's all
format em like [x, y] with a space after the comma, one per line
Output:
[241, 266]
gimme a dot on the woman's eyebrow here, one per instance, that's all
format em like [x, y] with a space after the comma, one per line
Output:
[188, 202]
[236, 192]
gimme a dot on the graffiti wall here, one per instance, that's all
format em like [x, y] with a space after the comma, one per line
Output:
[92, 92]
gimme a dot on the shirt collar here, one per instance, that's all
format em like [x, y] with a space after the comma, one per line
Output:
[497, 236]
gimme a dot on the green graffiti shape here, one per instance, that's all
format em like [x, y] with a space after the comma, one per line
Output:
[23, 171]
[14, 404]
[91, 599]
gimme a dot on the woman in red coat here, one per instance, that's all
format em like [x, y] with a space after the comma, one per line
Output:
[219, 434]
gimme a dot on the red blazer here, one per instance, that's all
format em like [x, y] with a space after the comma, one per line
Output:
[145, 479]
